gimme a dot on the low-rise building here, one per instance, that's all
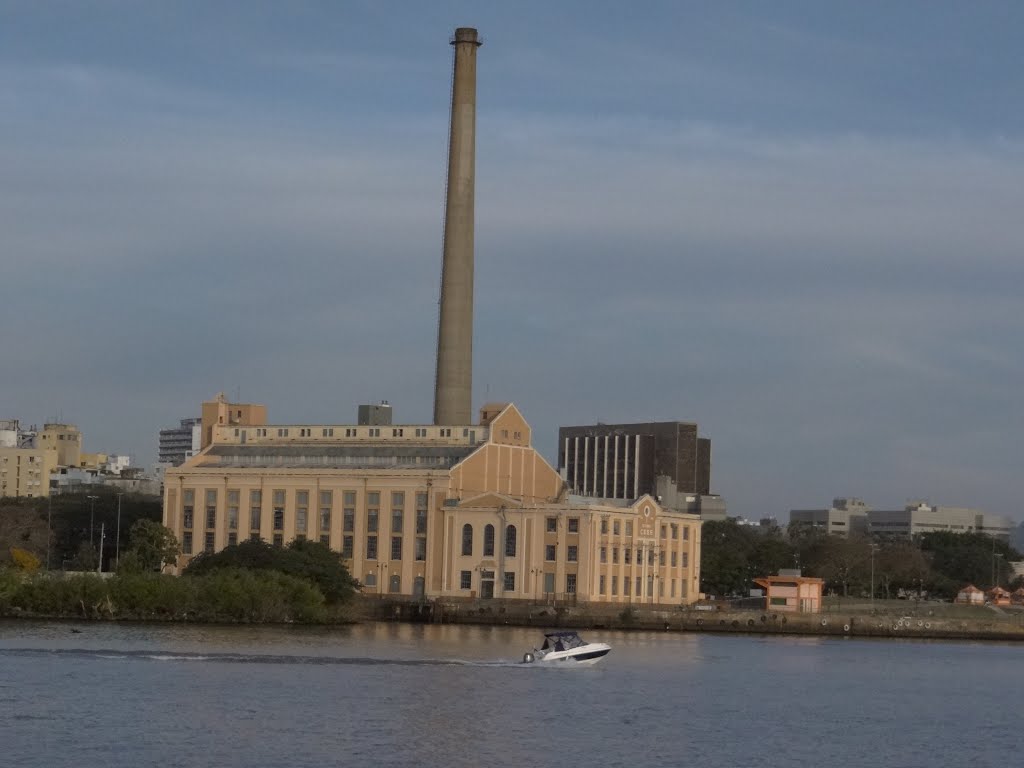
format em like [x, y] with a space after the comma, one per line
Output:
[970, 595]
[846, 516]
[791, 592]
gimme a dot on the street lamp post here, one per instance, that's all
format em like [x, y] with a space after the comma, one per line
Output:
[873, 547]
[92, 517]
[117, 545]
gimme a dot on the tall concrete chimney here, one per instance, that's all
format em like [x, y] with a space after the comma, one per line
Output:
[453, 385]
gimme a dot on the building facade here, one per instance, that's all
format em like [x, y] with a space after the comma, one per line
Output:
[25, 472]
[179, 443]
[667, 460]
[853, 516]
[462, 511]
[843, 518]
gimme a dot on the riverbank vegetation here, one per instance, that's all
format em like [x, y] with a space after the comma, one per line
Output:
[305, 582]
[933, 564]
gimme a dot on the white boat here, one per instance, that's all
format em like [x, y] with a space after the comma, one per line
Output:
[568, 647]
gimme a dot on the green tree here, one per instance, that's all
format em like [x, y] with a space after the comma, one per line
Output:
[302, 559]
[962, 558]
[152, 544]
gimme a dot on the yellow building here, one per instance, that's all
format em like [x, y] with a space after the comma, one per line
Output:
[468, 511]
[25, 472]
[65, 439]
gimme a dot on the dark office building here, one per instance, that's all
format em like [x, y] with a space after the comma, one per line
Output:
[625, 461]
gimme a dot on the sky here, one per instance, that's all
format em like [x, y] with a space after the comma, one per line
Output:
[797, 224]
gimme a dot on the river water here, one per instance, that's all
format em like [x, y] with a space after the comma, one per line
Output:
[112, 695]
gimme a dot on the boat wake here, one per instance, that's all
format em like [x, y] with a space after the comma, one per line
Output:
[256, 658]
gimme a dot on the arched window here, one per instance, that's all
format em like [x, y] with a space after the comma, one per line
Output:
[510, 541]
[489, 541]
[467, 539]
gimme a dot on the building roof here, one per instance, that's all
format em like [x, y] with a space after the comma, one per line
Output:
[332, 456]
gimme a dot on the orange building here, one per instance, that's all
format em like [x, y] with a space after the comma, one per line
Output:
[789, 591]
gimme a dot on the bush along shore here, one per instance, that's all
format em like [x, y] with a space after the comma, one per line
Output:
[251, 582]
[230, 595]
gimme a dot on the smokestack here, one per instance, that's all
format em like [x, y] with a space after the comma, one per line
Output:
[453, 385]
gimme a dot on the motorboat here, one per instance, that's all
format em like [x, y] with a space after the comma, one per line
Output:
[568, 647]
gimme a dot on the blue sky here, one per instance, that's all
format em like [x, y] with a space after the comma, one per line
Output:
[797, 224]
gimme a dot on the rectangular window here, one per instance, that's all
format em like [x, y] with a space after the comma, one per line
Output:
[325, 539]
[549, 583]
[604, 554]
[347, 547]
[465, 579]
[396, 547]
[661, 557]
[186, 543]
[370, 580]
[615, 554]
[638, 592]
[549, 553]
[615, 528]
[510, 582]
[574, 525]
[629, 527]
[349, 519]
[570, 583]
[232, 539]
[421, 548]
[300, 521]
[552, 524]
[600, 585]
[673, 593]
[777, 601]
[604, 525]
[686, 533]
[371, 547]
[650, 556]
[211, 517]
[372, 510]
[233, 518]
[395, 583]
[396, 520]
[627, 555]
[278, 498]
[421, 513]
[278, 518]
[664, 531]
[278, 539]
[675, 532]
[625, 586]
[674, 560]
[570, 553]
[186, 517]
[325, 519]
[208, 542]
[686, 559]
[615, 585]
[255, 503]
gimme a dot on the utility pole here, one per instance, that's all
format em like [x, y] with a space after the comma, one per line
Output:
[49, 526]
[872, 576]
[92, 517]
[99, 560]
[117, 546]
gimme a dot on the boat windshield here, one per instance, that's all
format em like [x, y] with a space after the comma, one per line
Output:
[562, 641]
